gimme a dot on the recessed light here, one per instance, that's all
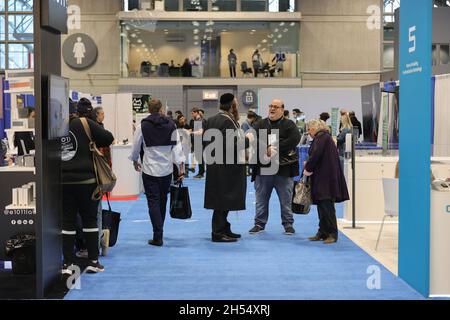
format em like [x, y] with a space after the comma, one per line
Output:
[279, 36]
[275, 41]
[285, 30]
[281, 24]
[195, 31]
[292, 24]
[264, 41]
[195, 43]
[196, 37]
[253, 30]
[195, 23]
[276, 30]
[139, 40]
[133, 35]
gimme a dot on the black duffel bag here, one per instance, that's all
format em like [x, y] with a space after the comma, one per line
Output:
[111, 221]
[21, 249]
[180, 203]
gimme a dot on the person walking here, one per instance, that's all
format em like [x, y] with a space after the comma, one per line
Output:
[346, 128]
[283, 179]
[257, 62]
[328, 184]
[226, 183]
[232, 61]
[162, 148]
[80, 188]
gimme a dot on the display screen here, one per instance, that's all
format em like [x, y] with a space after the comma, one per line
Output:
[58, 107]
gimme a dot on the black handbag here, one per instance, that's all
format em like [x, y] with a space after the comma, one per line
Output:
[301, 197]
[290, 158]
[111, 221]
[180, 203]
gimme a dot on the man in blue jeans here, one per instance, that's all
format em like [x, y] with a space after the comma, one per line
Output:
[280, 143]
[161, 143]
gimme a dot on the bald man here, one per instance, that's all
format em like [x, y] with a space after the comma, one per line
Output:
[280, 146]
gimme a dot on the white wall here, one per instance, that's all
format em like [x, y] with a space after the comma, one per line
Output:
[313, 101]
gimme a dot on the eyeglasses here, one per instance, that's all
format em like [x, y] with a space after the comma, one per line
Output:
[274, 107]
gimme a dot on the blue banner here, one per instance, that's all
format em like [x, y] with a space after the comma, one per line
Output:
[415, 148]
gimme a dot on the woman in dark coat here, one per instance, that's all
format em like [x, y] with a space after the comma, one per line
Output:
[226, 184]
[328, 184]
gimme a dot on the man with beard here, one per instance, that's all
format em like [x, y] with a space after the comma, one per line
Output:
[226, 183]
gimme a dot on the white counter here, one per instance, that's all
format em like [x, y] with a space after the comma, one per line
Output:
[127, 178]
[370, 172]
[440, 244]
[17, 169]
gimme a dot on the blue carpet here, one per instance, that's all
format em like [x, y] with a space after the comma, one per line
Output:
[268, 266]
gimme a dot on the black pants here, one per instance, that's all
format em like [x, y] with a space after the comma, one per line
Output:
[77, 199]
[327, 217]
[156, 190]
[233, 71]
[201, 167]
[220, 224]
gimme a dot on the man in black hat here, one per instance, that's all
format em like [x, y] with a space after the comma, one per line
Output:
[226, 183]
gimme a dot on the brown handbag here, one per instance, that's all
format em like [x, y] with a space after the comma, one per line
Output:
[105, 177]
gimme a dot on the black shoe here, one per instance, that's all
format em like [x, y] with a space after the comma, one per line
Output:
[157, 243]
[289, 230]
[192, 170]
[256, 229]
[199, 176]
[233, 235]
[222, 238]
[94, 267]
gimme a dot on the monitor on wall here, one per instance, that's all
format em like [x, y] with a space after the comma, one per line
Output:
[58, 107]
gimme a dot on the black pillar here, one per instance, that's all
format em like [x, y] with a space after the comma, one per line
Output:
[50, 19]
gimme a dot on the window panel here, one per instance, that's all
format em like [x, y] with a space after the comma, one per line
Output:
[388, 56]
[253, 5]
[2, 56]
[2, 27]
[20, 56]
[20, 27]
[22, 5]
[223, 5]
[2, 5]
[195, 5]
[171, 5]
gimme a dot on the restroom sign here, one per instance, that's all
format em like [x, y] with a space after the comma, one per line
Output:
[249, 98]
[80, 51]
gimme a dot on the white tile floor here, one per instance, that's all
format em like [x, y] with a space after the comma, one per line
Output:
[387, 253]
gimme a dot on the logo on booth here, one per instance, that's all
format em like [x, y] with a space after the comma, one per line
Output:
[249, 98]
[80, 51]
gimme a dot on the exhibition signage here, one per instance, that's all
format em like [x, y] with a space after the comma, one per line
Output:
[415, 149]
[335, 122]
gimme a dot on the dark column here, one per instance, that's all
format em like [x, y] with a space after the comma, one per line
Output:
[50, 19]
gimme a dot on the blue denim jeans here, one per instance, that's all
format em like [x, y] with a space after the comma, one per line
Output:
[284, 188]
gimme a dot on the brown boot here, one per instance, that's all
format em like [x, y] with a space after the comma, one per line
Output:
[330, 240]
[315, 238]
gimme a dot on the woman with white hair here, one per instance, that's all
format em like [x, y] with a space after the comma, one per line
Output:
[328, 184]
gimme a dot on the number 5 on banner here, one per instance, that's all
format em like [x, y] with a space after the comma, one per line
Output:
[412, 38]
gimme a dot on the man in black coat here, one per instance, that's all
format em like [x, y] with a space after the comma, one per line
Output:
[285, 137]
[328, 185]
[226, 183]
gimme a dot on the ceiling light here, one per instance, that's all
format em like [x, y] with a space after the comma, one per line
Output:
[253, 30]
[195, 31]
[196, 43]
[195, 23]
[215, 8]
[292, 24]
[224, 30]
[152, 50]
[133, 35]
[143, 45]
[275, 41]
[196, 37]
[139, 40]
[285, 30]
[166, 30]
[281, 24]
[280, 36]
[258, 46]
[264, 41]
